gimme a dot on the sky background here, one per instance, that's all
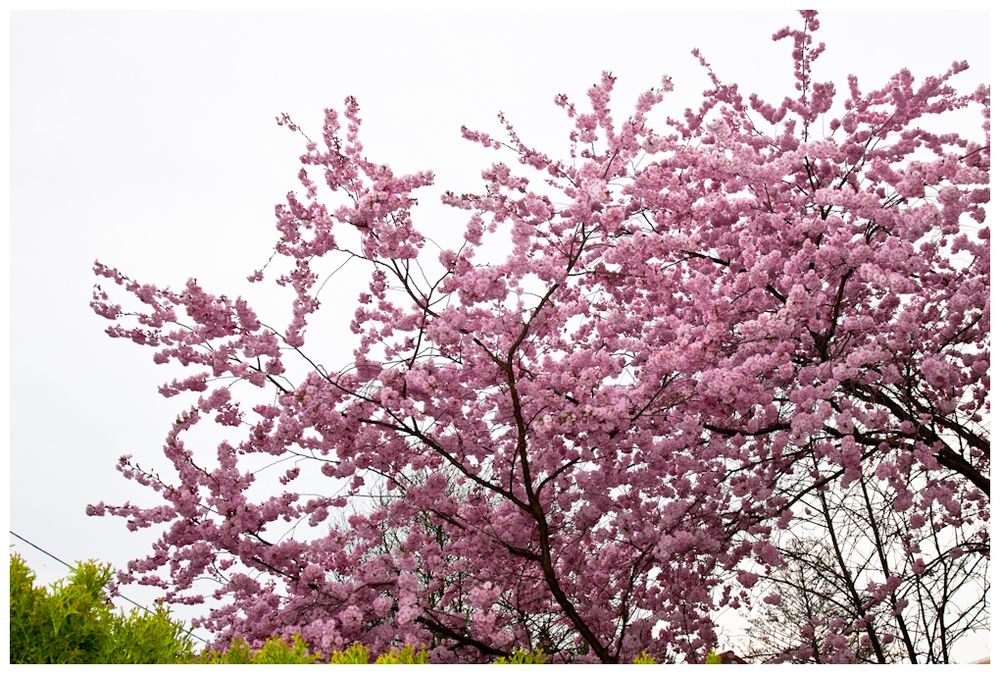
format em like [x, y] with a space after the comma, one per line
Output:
[148, 140]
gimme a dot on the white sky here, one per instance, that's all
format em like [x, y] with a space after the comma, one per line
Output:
[148, 140]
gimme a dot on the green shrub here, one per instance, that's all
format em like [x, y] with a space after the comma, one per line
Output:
[356, 654]
[713, 658]
[643, 658]
[403, 656]
[277, 651]
[75, 622]
[144, 638]
[522, 657]
[238, 653]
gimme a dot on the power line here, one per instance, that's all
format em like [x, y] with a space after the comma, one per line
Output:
[42, 550]
[190, 632]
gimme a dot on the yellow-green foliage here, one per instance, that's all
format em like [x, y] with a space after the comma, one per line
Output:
[275, 651]
[355, 654]
[403, 656]
[643, 658]
[238, 653]
[75, 622]
[522, 657]
[713, 658]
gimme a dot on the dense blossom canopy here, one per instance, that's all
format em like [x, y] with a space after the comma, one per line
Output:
[586, 447]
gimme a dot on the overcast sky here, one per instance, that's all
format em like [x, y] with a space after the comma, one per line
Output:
[148, 140]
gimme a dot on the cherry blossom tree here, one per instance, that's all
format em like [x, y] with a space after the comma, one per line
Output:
[586, 447]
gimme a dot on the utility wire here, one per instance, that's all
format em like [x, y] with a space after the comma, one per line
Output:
[190, 632]
[69, 566]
